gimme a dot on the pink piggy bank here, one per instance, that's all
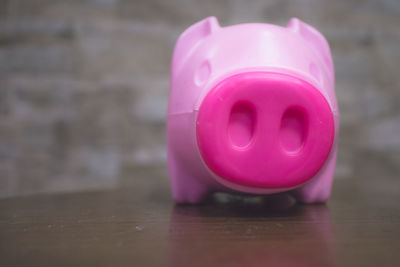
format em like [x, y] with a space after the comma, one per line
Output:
[252, 109]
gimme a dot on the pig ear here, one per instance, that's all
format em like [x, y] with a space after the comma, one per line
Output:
[314, 37]
[191, 37]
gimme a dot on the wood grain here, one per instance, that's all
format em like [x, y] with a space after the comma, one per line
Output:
[141, 226]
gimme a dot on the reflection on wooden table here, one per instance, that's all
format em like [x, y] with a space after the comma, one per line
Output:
[271, 231]
[141, 226]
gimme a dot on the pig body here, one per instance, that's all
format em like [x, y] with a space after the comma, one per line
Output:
[252, 109]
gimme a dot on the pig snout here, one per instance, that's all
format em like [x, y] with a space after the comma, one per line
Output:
[264, 130]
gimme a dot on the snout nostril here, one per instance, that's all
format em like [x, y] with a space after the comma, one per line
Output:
[241, 124]
[293, 130]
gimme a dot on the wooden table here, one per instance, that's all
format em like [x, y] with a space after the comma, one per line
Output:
[141, 226]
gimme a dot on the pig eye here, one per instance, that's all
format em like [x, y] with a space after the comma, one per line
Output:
[202, 73]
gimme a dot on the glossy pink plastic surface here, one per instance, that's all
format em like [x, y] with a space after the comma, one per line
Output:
[252, 109]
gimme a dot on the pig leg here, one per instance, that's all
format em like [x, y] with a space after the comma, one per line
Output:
[318, 189]
[185, 186]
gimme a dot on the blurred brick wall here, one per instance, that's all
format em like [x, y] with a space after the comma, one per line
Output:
[84, 84]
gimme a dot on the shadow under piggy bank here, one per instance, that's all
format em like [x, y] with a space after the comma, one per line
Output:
[257, 231]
